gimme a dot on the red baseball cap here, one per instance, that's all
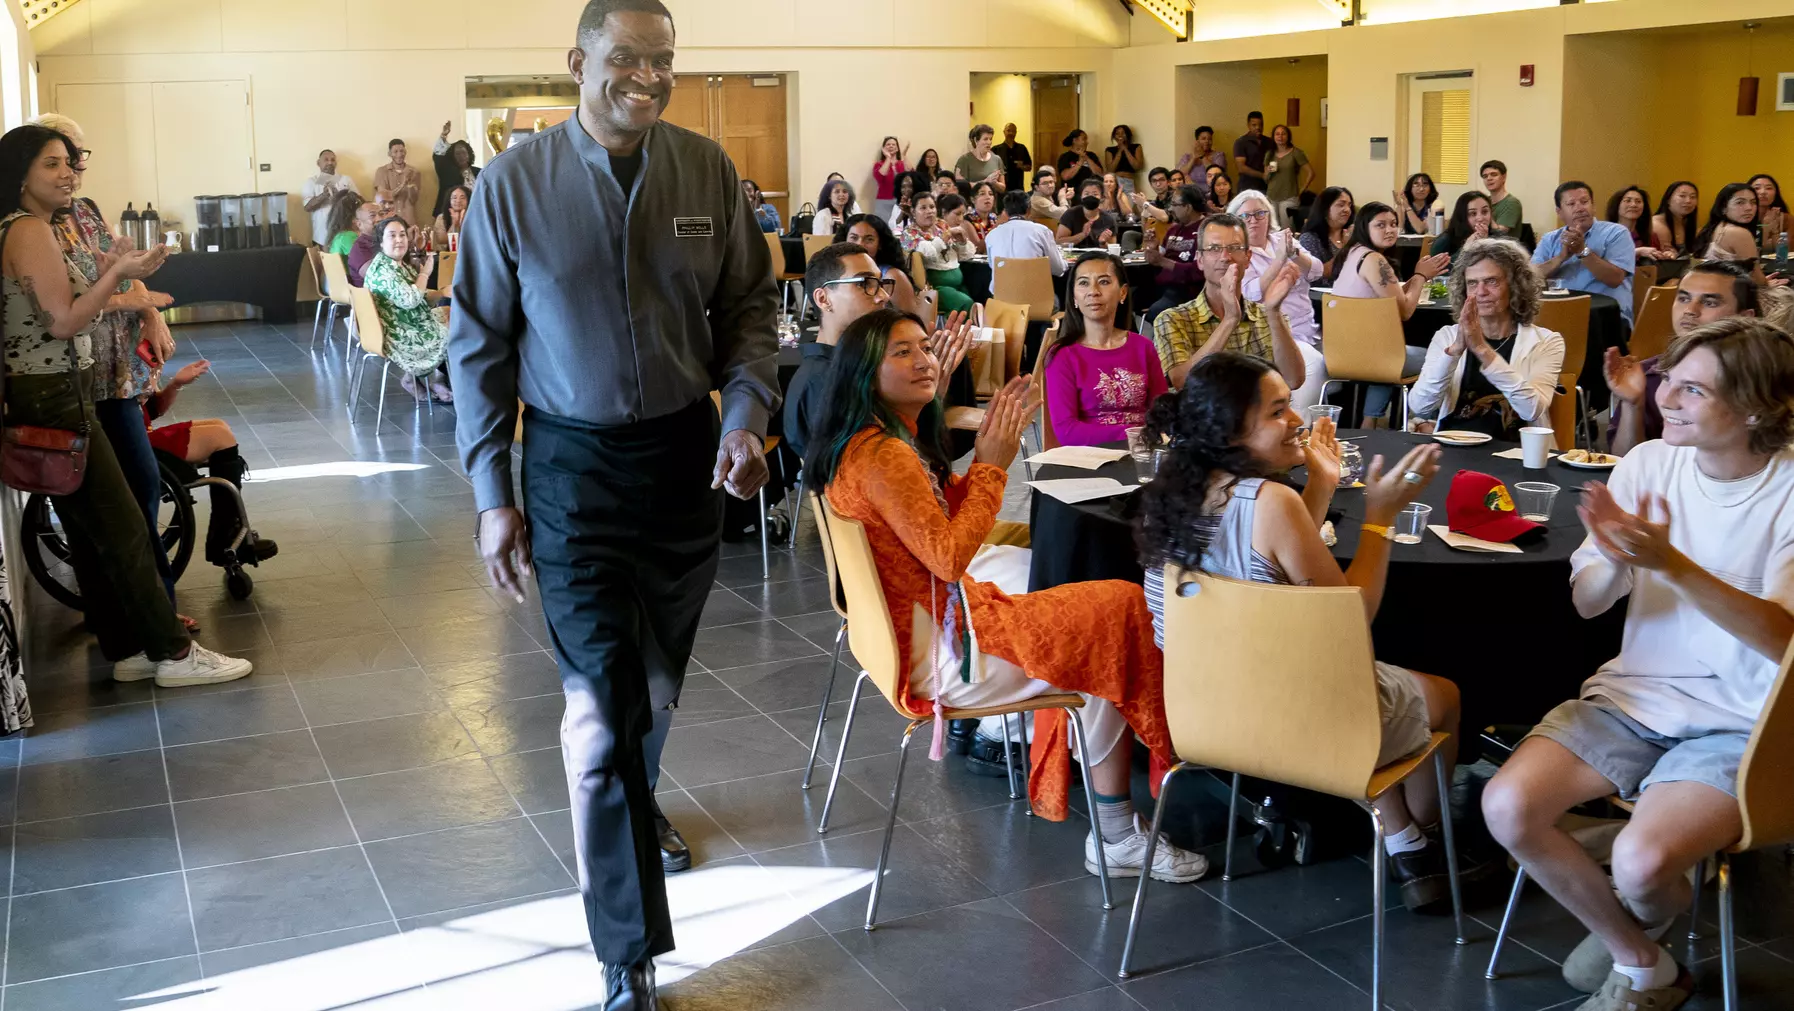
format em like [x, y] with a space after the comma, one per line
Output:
[1479, 505]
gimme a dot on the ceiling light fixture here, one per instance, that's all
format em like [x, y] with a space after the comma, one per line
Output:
[1173, 14]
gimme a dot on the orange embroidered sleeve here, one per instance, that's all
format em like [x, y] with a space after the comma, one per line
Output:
[895, 483]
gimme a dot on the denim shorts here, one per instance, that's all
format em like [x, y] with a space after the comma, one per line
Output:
[1633, 756]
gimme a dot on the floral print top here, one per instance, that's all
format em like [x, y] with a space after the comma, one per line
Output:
[119, 374]
[30, 350]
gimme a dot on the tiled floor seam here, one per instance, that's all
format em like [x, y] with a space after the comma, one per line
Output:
[174, 826]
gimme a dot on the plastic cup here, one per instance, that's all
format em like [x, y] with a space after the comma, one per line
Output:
[1410, 523]
[1535, 447]
[1318, 411]
[1533, 500]
[1136, 445]
[1147, 469]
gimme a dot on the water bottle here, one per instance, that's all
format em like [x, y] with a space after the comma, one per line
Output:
[127, 224]
[1438, 222]
[151, 226]
[1781, 255]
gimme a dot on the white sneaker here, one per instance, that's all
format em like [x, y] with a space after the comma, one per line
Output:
[201, 666]
[134, 668]
[1125, 858]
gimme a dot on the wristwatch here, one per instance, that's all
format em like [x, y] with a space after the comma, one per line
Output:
[1378, 529]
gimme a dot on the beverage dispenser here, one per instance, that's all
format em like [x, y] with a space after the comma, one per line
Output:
[232, 205]
[210, 233]
[255, 224]
[274, 212]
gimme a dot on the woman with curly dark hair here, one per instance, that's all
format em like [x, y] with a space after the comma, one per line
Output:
[1222, 504]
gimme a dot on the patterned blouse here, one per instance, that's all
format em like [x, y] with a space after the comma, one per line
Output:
[119, 374]
[30, 350]
[415, 334]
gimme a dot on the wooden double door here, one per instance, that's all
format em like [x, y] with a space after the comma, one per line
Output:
[745, 113]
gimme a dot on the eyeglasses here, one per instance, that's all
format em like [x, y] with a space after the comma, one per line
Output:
[1231, 249]
[869, 285]
[1255, 215]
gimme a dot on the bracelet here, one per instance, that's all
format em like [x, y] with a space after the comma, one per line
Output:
[1378, 529]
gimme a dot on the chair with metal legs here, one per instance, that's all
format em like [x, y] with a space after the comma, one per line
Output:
[839, 603]
[1278, 682]
[1766, 807]
[874, 639]
[338, 290]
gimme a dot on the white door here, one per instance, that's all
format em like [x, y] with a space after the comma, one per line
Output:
[1441, 134]
[119, 125]
[203, 143]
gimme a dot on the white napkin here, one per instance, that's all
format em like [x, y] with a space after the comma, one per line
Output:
[1084, 457]
[1465, 542]
[1518, 454]
[1083, 489]
[987, 335]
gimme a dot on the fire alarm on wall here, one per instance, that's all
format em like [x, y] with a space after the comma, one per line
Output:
[1525, 75]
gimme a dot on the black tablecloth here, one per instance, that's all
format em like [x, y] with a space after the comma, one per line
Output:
[1502, 626]
[268, 278]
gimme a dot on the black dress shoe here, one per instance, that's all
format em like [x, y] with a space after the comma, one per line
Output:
[1421, 876]
[986, 758]
[630, 987]
[960, 734]
[675, 856]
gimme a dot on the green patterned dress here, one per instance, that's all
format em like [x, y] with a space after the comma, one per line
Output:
[416, 334]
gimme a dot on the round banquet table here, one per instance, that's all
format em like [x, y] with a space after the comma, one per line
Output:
[1500, 625]
[1606, 329]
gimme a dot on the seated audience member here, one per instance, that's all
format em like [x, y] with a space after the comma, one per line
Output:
[1049, 201]
[1116, 201]
[1179, 179]
[1085, 225]
[1019, 238]
[1493, 371]
[846, 283]
[1077, 163]
[1730, 232]
[980, 163]
[869, 232]
[454, 167]
[879, 453]
[416, 334]
[1220, 191]
[1221, 318]
[1160, 181]
[1222, 504]
[1585, 254]
[929, 166]
[1179, 257]
[1363, 270]
[346, 221]
[1201, 155]
[1472, 217]
[1709, 291]
[939, 233]
[983, 215]
[1287, 174]
[1328, 227]
[946, 183]
[209, 443]
[1100, 378]
[1772, 210]
[454, 212]
[1504, 205]
[765, 214]
[1270, 251]
[1695, 529]
[1415, 204]
[1630, 209]
[1124, 159]
[908, 185]
[1677, 220]
[834, 205]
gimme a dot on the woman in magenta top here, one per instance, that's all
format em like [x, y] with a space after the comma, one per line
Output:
[885, 172]
[1101, 379]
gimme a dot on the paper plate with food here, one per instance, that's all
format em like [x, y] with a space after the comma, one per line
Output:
[1583, 459]
[1461, 437]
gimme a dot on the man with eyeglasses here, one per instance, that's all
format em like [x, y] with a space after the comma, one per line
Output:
[1191, 332]
[1178, 257]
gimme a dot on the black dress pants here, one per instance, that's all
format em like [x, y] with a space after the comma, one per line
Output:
[624, 529]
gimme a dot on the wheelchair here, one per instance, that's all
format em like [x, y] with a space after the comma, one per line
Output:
[47, 551]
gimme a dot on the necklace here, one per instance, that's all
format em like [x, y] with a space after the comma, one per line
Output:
[1738, 490]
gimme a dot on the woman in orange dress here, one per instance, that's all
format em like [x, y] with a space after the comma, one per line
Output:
[967, 633]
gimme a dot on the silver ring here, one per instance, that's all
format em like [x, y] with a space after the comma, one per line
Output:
[1413, 477]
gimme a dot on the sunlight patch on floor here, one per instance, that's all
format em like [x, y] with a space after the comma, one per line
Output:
[336, 468]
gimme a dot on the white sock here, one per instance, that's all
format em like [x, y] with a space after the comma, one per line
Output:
[1405, 841]
[1654, 977]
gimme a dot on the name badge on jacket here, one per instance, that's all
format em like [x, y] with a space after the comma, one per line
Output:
[693, 228]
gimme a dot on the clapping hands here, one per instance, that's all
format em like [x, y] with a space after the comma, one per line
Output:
[1000, 437]
[1640, 540]
[950, 343]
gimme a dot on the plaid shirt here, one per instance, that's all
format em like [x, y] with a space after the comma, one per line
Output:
[1180, 331]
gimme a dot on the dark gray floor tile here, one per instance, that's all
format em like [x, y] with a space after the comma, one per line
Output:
[1109, 998]
[749, 643]
[310, 591]
[498, 679]
[262, 762]
[730, 749]
[709, 843]
[323, 621]
[470, 639]
[808, 975]
[111, 988]
[9, 792]
[1764, 983]
[437, 606]
[383, 583]
[556, 829]
[267, 672]
[461, 791]
[704, 699]
[1274, 977]
[82, 689]
[93, 848]
[500, 728]
[1295, 900]
[807, 593]
[90, 733]
[355, 654]
[819, 627]
[725, 607]
[767, 812]
[286, 896]
[538, 779]
[402, 742]
[930, 789]
[251, 956]
[919, 879]
[98, 927]
[465, 866]
[367, 697]
[959, 947]
[877, 729]
[266, 823]
[231, 633]
[91, 785]
[744, 570]
[1179, 925]
[789, 684]
[1009, 850]
[236, 714]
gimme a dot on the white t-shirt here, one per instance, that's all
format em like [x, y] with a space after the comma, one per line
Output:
[1678, 672]
[331, 183]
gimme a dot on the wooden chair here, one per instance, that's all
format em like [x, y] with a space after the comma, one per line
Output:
[873, 637]
[337, 286]
[1013, 321]
[814, 244]
[1644, 277]
[1568, 317]
[1364, 344]
[1563, 412]
[1655, 322]
[1026, 282]
[785, 278]
[918, 271]
[1765, 805]
[372, 335]
[1044, 436]
[445, 273]
[839, 603]
[771, 448]
[1277, 682]
[1426, 246]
